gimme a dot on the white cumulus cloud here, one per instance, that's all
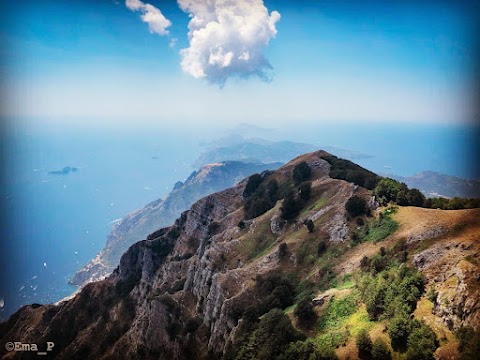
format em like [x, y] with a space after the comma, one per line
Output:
[227, 38]
[157, 22]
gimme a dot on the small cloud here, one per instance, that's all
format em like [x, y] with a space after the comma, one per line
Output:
[157, 23]
[173, 42]
[227, 39]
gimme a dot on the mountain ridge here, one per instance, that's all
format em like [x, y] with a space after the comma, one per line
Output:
[188, 290]
[138, 224]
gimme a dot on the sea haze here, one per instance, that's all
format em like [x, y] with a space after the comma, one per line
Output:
[62, 219]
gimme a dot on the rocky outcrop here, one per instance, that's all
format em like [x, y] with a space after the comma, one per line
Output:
[452, 269]
[163, 212]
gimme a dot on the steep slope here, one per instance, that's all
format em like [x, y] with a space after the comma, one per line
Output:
[207, 287]
[137, 225]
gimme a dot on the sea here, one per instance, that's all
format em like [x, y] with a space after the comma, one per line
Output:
[55, 219]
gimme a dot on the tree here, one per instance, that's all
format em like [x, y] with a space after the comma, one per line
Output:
[380, 350]
[253, 183]
[415, 197]
[388, 190]
[422, 342]
[356, 206]
[364, 345]
[301, 172]
[290, 207]
[310, 225]
[398, 330]
[322, 246]
[304, 313]
[305, 191]
[271, 338]
[307, 350]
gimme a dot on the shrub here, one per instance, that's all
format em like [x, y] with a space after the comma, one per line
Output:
[305, 191]
[310, 225]
[301, 172]
[364, 345]
[469, 343]
[388, 190]
[282, 250]
[304, 313]
[259, 198]
[321, 247]
[252, 185]
[398, 330]
[290, 207]
[271, 337]
[349, 171]
[415, 197]
[276, 290]
[307, 350]
[380, 350]
[422, 342]
[356, 206]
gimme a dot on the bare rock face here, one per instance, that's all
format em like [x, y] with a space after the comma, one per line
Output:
[428, 234]
[277, 224]
[456, 282]
[162, 212]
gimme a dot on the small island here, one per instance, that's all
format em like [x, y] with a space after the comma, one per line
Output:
[65, 171]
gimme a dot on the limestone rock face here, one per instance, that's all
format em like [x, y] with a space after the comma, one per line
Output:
[137, 225]
[454, 275]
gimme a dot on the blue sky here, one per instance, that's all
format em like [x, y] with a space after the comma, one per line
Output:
[96, 62]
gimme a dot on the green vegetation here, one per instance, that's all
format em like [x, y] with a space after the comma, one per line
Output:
[469, 346]
[364, 345]
[259, 196]
[356, 206]
[310, 225]
[380, 350]
[422, 341]
[270, 338]
[390, 291]
[349, 171]
[376, 229]
[452, 204]
[305, 191]
[276, 291]
[307, 350]
[305, 314]
[292, 205]
[389, 190]
[337, 313]
[256, 244]
[301, 172]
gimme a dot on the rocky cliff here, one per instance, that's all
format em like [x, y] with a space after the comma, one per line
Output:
[137, 225]
[194, 289]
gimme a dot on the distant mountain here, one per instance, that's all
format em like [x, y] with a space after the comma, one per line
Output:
[434, 184]
[265, 151]
[163, 212]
